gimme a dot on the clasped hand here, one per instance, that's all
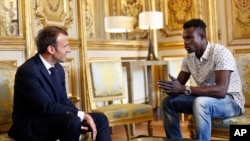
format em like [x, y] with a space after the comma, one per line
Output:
[172, 87]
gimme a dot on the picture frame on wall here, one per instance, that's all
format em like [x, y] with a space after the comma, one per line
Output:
[238, 22]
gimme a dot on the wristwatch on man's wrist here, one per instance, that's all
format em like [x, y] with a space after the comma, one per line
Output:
[187, 90]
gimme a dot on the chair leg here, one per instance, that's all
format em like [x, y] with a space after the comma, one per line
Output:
[132, 127]
[112, 129]
[127, 127]
[191, 127]
[150, 128]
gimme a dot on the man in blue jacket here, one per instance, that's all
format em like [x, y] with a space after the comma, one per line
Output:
[42, 110]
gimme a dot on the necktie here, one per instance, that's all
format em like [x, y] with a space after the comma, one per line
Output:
[54, 80]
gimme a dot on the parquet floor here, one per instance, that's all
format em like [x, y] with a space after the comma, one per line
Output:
[119, 133]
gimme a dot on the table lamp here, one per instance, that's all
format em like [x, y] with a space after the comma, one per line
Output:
[119, 24]
[151, 20]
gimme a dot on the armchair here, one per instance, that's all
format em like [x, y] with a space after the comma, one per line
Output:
[107, 95]
[220, 127]
[7, 75]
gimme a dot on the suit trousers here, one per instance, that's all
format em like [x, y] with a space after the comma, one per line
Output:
[64, 127]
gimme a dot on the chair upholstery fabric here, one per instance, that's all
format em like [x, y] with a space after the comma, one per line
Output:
[220, 127]
[5, 137]
[7, 75]
[125, 112]
[107, 95]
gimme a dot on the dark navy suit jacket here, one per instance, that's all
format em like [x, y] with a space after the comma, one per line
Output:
[35, 97]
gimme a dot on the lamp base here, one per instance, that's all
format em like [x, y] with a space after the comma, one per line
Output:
[151, 54]
[151, 57]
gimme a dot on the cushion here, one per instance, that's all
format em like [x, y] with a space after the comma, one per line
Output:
[225, 123]
[5, 137]
[125, 111]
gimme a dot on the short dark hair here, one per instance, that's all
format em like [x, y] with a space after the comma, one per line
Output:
[196, 23]
[47, 36]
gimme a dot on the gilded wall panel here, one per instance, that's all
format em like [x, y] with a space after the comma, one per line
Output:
[89, 19]
[12, 28]
[238, 21]
[9, 25]
[54, 12]
[176, 13]
[129, 8]
[97, 10]
[69, 69]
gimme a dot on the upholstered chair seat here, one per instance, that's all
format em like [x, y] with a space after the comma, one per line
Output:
[220, 127]
[125, 112]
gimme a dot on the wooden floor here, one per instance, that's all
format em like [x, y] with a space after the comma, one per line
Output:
[119, 133]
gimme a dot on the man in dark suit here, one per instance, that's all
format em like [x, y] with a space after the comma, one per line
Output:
[42, 111]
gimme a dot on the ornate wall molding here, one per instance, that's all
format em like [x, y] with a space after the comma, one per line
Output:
[176, 12]
[117, 45]
[9, 25]
[238, 22]
[54, 12]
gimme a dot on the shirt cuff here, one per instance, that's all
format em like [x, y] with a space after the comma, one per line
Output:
[80, 114]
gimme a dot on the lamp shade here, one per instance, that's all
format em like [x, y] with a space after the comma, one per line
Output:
[151, 20]
[119, 24]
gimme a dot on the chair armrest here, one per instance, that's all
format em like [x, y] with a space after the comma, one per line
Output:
[74, 99]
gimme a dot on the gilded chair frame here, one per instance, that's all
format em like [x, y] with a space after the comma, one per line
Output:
[92, 97]
[110, 70]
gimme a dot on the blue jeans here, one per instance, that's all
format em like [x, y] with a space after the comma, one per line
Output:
[203, 109]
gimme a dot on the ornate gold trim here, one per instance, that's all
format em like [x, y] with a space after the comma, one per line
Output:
[12, 62]
[170, 45]
[82, 54]
[128, 8]
[70, 76]
[9, 22]
[101, 62]
[237, 52]
[237, 31]
[211, 20]
[58, 13]
[16, 42]
[117, 45]
[176, 12]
